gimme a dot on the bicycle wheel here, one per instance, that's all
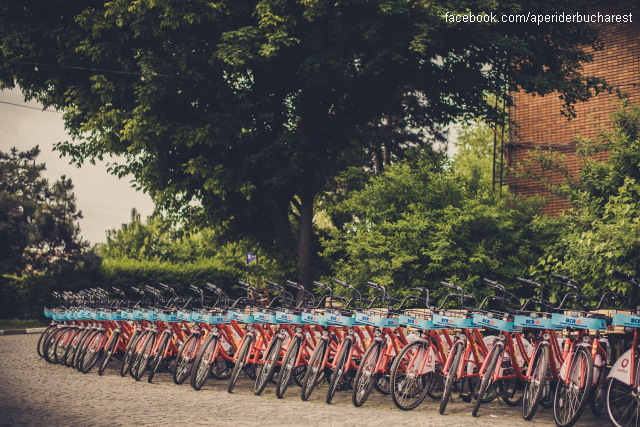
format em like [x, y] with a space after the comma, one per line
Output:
[288, 366]
[247, 343]
[409, 386]
[451, 378]
[622, 403]
[164, 343]
[314, 370]
[82, 348]
[109, 349]
[50, 346]
[599, 391]
[95, 350]
[202, 363]
[512, 391]
[366, 375]
[487, 378]
[143, 357]
[75, 343]
[62, 343]
[128, 353]
[435, 389]
[43, 339]
[571, 396]
[184, 361]
[340, 369]
[268, 367]
[536, 384]
[221, 369]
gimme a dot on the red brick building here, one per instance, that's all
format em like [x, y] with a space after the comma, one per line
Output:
[537, 122]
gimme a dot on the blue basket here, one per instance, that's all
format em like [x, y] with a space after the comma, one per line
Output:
[562, 320]
[497, 324]
[415, 322]
[59, 315]
[537, 323]
[215, 319]
[152, 315]
[241, 317]
[168, 317]
[380, 322]
[264, 317]
[630, 320]
[48, 313]
[288, 318]
[126, 314]
[313, 319]
[339, 319]
[187, 316]
[139, 315]
[454, 322]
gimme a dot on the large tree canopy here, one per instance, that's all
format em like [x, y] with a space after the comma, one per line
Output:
[245, 109]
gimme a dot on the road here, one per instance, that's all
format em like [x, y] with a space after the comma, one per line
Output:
[34, 392]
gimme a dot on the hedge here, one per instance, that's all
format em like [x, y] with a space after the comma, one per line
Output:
[24, 297]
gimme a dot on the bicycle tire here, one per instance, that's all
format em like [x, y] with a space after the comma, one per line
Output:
[271, 362]
[184, 361]
[109, 349]
[599, 392]
[310, 379]
[42, 339]
[511, 399]
[398, 379]
[81, 349]
[49, 346]
[62, 343]
[75, 343]
[619, 392]
[137, 352]
[201, 366]
[247, 343]
[144, 356]
[339, 369]
[221, 369]
[125, 367]
[287, 367]
[96, 351]
[164, 342]
[538, 379]
[362, 390]
[451, 377]
[560, 396]
[487, 377]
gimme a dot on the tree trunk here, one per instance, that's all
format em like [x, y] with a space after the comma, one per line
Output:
[305, 242]
[281, 228]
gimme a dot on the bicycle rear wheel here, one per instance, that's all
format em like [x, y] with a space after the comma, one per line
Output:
[599, 391]
[314, 370]
[451, 379]
[487, 378]
[536, 384]
[288, 366]
[340, 369]
[366, 375]
[202, 363]
[109, 349]
[409, 386]
[571, 396]
[268, 367]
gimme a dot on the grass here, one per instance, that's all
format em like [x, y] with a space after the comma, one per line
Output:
[6, 324]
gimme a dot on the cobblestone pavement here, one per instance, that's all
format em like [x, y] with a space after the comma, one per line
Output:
[34, 392]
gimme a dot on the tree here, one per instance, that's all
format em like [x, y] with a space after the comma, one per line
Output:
[474, 152]
[246, 110]
[419, 223]
[38, 223]
[601, 231]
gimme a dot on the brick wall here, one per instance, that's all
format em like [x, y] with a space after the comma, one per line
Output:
[537, 121]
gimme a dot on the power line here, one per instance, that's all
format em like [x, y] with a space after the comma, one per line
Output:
[101, 70]
[33, 108]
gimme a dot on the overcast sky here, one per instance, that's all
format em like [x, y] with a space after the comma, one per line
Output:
[105, 200]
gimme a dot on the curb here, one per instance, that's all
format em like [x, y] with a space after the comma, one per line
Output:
[23, 331]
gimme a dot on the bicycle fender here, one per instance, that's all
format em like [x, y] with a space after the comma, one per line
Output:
[564, 366]
[430, 366]
[621, 370]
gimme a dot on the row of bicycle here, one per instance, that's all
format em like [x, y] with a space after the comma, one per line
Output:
[498, 348]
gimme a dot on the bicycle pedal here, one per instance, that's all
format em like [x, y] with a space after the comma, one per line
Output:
[466, 397]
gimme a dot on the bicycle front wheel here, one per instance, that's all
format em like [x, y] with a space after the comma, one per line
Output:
[487, 378]
[247, 343]
[340, 369]
[366, 375]
[536, 384]
[109, 349]
[184, 361]
[203, 361]
[314, 370]
[409, 386]
[452, 376]
[94, 351]
[159, 356]
[571, 395]
[268, 367]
